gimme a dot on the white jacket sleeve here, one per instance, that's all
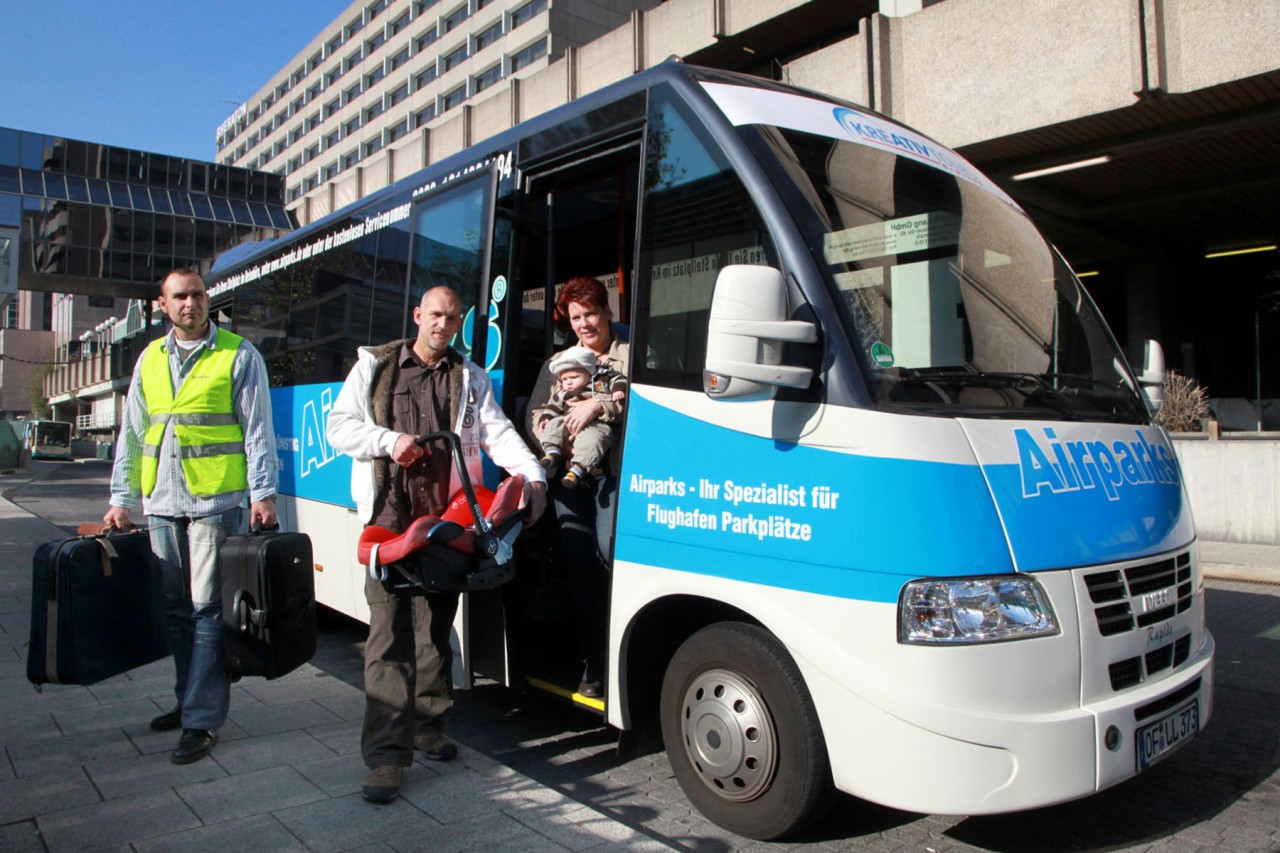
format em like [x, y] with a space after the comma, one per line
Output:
[499, 437]
[351, 429]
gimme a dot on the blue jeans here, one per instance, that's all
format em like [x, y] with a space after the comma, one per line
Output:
[187, 549]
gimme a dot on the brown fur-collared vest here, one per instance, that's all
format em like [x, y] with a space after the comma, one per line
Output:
[382, 383]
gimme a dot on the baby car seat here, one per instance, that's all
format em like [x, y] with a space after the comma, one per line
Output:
[457, 551]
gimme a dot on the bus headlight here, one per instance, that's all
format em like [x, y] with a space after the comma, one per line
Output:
[974, 610]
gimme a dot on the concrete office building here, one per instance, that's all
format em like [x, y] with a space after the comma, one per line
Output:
[1142, 135]
[86, 232]
[358, 106]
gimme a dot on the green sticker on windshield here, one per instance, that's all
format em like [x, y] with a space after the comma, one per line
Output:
[881, 354]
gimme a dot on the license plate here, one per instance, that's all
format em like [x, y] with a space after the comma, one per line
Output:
[1158, 739]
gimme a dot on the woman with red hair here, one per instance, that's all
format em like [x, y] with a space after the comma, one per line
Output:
[586, 513]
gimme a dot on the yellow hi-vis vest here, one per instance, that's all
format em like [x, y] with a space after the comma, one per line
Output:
[210, 440]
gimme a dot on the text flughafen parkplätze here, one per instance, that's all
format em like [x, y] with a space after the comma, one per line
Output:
[755, 510]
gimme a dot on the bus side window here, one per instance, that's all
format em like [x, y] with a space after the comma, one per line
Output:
[698, 217]
[448, 245]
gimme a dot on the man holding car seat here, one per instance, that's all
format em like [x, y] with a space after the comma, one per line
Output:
[395, 393]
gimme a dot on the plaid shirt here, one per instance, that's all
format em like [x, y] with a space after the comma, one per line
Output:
[171, 497]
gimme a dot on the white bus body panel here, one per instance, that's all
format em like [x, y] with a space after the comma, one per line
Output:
[967, 729]
[972, 730]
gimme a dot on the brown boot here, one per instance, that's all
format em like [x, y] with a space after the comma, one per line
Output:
[382, 785]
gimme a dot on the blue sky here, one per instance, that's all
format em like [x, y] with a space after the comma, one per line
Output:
[155, 75]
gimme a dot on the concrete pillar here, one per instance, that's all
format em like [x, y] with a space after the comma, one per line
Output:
[637, 40]
[880, 63]
[900, 8]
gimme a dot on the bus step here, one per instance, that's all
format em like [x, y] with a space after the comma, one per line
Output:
[567, 693]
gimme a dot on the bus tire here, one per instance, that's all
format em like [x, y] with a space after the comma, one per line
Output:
[742, 734]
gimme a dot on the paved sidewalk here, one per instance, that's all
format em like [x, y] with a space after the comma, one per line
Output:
[82, 770]
[1239, 561]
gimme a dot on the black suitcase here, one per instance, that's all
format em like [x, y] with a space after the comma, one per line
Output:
[96, 609]
[268, 602]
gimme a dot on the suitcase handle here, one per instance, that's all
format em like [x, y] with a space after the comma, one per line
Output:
[93, 529]
[243, 611]
[102, 534]
[257, 528]
[246, 616]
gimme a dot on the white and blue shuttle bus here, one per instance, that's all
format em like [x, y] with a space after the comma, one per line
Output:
[46, 439]
[893, 516]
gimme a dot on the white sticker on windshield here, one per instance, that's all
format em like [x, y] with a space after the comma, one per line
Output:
[894, 237]
[859, 279]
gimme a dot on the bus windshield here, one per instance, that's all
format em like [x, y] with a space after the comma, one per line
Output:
[53, 433]
[48, 439]
[956, 304]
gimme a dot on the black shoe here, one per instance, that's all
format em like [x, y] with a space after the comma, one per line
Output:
[168, 721]
[591, 689]
[550, 462]
[194, 745]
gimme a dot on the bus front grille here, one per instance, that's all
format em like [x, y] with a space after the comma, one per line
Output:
[1140, 595]
[1137, 597]
[1131, 671]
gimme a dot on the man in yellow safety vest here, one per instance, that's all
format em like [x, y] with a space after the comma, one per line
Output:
[196, 441]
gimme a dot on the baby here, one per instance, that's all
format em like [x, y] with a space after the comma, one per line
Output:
[579, 376]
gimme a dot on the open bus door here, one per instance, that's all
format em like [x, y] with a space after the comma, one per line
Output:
[574, 216]
[451, 243]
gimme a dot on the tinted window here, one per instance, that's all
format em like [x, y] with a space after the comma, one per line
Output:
[160, 200]
[55, 185]
[200, 203]
[697, 218]
[181, 202]
[32, 182]
[221, 208]
[77, 190]
[258, 211]
[449, 231]
[9, 147]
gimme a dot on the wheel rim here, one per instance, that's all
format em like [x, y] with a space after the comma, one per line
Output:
[728, 735]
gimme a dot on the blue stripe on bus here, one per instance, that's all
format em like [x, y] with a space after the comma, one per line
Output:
[309, 467]
[1081, 527]
[699, 498]
[838, 581]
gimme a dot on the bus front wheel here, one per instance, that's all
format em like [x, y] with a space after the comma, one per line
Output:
[741, 732]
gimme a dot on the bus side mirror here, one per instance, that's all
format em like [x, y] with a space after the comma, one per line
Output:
[745, 333]
[1152, 377]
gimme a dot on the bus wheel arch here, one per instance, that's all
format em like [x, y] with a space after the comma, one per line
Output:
[742, 733]
[650, 640]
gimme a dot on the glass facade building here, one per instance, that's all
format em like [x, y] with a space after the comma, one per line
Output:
[86, 210]
[86, 233]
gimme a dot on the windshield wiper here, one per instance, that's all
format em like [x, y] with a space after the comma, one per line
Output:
[1035, 389]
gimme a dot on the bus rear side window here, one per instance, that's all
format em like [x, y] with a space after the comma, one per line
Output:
[307, 317]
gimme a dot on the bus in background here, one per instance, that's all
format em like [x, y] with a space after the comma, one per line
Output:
[47, 439]
[893, 515]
